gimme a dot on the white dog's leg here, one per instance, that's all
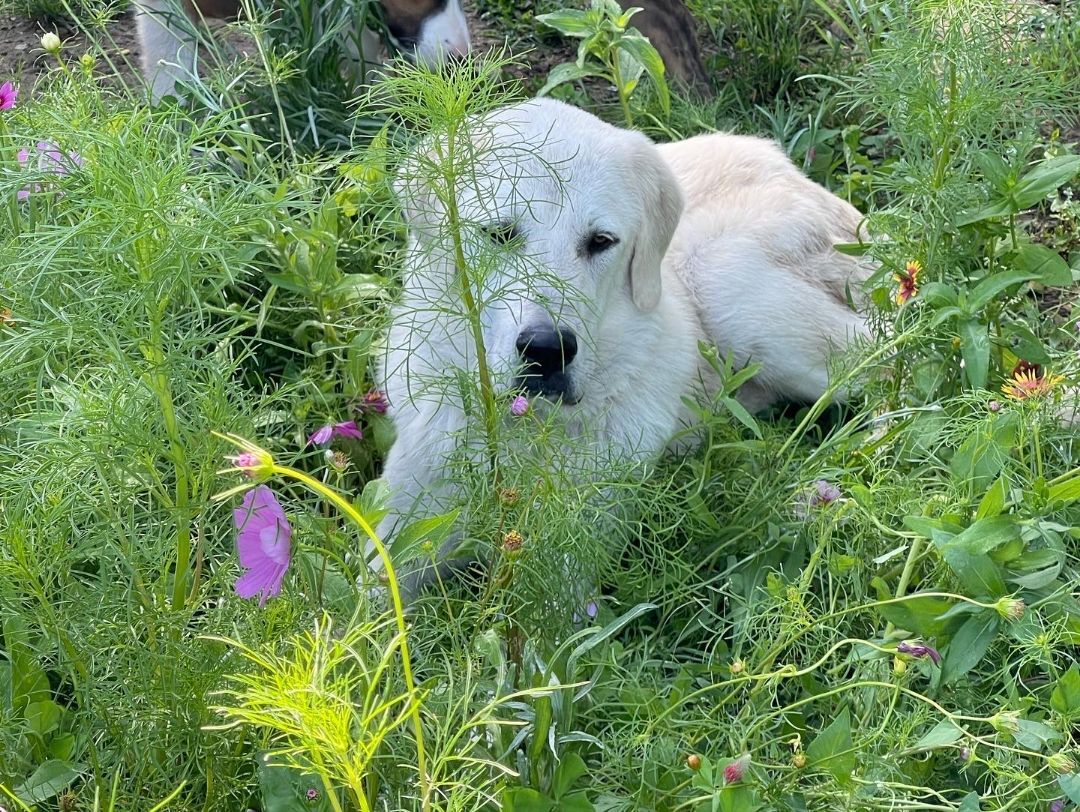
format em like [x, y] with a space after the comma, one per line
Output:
[167, 44]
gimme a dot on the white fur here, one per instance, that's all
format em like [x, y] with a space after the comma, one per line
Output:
[168, 42]
[720, 239]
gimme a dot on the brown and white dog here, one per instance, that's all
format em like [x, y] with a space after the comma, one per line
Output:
[428, 30]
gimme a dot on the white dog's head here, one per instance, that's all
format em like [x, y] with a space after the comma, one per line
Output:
[565, 222]
[428, 31]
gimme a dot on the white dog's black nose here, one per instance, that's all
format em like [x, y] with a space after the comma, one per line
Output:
[546, 352]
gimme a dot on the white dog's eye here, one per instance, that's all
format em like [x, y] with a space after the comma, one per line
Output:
[600, 241]
[501, 233]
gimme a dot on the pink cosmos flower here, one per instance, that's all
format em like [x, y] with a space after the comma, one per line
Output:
[519, 406]
[46, 157]
[736, 770]
[263, 544]
[8, 94]
[374, 401]
[327, 433]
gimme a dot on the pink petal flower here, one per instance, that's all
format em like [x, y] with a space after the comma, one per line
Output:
[327, 433]
[736, 770]
[8, 94]
[263, 544]
[375, 401]
[519, 406]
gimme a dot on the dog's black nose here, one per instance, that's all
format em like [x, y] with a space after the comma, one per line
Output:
[546, 352]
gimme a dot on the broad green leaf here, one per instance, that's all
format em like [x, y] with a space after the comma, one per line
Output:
[993, 209]
[1070, 785]
[968, 646]
[48, 780]
[644, 52]
[1067, 490]
[576, 802]
[942, 734]
[982, 455]
[1065, 698]
[984, 292]
[978, 573]
[938, 293]
[1043, 179]
[569, 22]
[433, 530]
[975, 348]
[571, 768]
[739, 412]
[521, 799]
[613, 628]
[284, 789]
[832, 750]
[43, 717]
[567, 72]
[986, 535]
[1035, 735]
[921, 616]
[1041, 263]
[1026, 344]
[994, 169]
[993, 501]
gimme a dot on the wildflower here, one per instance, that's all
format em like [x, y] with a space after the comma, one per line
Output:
[263, 543]
[825, 493]
[1010, 608]
[519, 406]
[253, 462]
[1062, 763]
[592, 609]
[328, 432]
[994, 406]
[916, 650]
[336, 460]
[50, 42]
[1006, 721]
[512, 542]
[736, 770]
[509, 496]
[374, 401]
[1058, 805]
[46, 157]
[693, 761]
[8, 94]
[312, 795]
[908, 280]
[737, 667]
[1028, 381]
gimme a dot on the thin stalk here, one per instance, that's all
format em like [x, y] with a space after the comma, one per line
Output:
[346, 507]
[616, 74]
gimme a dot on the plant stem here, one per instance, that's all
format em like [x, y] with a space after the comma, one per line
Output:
[346, 507]
[616, 74]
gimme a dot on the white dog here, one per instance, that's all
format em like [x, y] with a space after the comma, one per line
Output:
[428, 30]
[612, 259]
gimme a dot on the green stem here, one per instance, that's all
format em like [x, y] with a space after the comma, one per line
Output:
[346, 507]
[616, 74]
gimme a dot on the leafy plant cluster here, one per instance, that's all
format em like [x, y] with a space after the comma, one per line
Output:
[870, 608]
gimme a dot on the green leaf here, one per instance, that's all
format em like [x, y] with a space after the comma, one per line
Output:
[569, 22]
[600, 635]
[433, 530]
[975, 348]
[938, 293]
[43, 717]
[970, 803]
[739, 412]
[1043, 179]
[1042, 264]
[283, 788]
[1068, 490]
[1070, 785]
[571, 768]
[576, 802]
[832, 750]
[942, 734]
[984, 292]
[1065, 698]
[978, 573]
[48, 780]
[567, 72]
[986, 535]
[921, 616]
[993, 501]
[996, 208]
[521, 799]
[1035, 735]
[982, 455]
[644, 52]
[968, 646]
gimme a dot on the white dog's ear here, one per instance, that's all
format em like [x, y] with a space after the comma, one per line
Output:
[662, 206]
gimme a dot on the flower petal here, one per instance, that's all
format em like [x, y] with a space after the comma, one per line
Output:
[349, 429]
[321, 436]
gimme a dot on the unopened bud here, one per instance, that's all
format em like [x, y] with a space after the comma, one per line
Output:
[693, 761]
[50, 42]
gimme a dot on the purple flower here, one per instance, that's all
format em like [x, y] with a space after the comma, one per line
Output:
[1058, 805]
[263, 544]
[374, 401]
[312, 795]
[327, 433]
[592, 610]
[916, 650]
[46, 157]
[519, 406]
[824, 493]
[8, 94]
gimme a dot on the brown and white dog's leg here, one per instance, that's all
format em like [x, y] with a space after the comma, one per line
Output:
[167, 44]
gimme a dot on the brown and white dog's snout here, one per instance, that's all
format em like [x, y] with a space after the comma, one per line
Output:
[429, 31]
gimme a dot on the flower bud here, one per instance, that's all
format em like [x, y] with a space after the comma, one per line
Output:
[512, 542]
[509, 496]
[737, 667]
[1010, 608]
[1062, 763]
[799, 760]
[693, 761]
[736, 770]
[1006, 722]
[50, 42]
